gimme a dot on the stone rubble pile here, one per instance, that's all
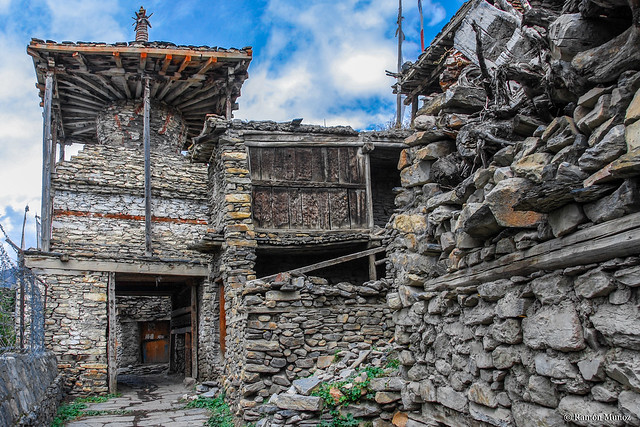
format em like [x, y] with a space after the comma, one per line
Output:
[302, 404]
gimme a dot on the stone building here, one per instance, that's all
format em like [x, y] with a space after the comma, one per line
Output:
[180, 235]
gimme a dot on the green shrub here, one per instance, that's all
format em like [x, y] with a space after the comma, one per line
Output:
[220, 413]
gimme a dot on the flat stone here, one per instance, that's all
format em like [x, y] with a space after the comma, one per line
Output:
[478, 221]
[580, 411]
[529, 415]
[305, 386]
[502, 199]
[601, 113]
[282, 296]
[633, 111]
[592, 369]
[555, 326]
[435, 150]
[324, 361]
[385, 397]
[363, 409]
[504, 357]
[498, 417]
[410, 223]
[590, 98]
[632, 136]
[571, 34]
[626, 372]
[566, 220]
[612, 146]
[628, 276]
[542, 391]
[493, 291]
[450, 398]
[625, 200]
[298, 402]
[387, 384]
[618, 325]
[512, 306]
[629, 403]
[595, 283]
[416, 174]
[482, 394]
[552, 288]
[554, 367]
[531, 166]
[507, 331]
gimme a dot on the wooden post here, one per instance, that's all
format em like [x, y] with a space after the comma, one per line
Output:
[194, 330]
[147, 170]
[370, 220]
[62, 148]
[112, 370]
[414, 109]
[45, 213]
[229, 112]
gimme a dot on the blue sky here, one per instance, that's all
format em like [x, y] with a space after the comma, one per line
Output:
[317, 59]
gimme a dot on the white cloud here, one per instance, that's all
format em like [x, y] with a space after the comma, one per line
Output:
[86, 20]
[336, 57]
[5, 5]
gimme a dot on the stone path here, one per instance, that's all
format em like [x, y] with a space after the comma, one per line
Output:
[149, 400]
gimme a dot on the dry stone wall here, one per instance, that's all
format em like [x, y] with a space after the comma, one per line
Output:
[31, 389]
[75, 328]
[295, 323]
[527, 314]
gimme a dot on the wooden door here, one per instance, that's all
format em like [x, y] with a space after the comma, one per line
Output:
[155, 341]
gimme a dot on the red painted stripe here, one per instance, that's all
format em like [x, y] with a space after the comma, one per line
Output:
[59, 212]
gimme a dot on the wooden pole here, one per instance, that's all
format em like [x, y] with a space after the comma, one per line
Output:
[194, 331]
[45, 213]
[399, 95]
[112, 370]
[147, 170]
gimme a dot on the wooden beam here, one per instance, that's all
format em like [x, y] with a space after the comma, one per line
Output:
[147, 169]
[116, 57]
[210, 63]
[143, 61]
[165, 64]
[53, 264]
[46, 202]
[306, 140]
[194, 332]
[184, 64]
[112, 369]
[601, 242]
[331, 262]
[81, 60]
[156, 52]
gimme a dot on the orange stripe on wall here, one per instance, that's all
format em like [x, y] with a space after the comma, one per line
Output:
[59, 212]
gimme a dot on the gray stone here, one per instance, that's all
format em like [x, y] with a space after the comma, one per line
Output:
[416, 174]
[625, 200]
[493, 291]
[542, 391]
[298, 402]
[592, 369]
[418, 372]
[362, 409]
[629, 403]
[387, 384]
[498, 417]
[620, 296]
[571, 34]
[629, 276]
[557, 327]
[428, 391]
[626, 373]
[619, 325]
[512, 306]
[603, 394]
[612, 146]
[566, 219]
[507, 331]
[482, 394]
[529, 415]
[504, 357]
[305, 386]
[282, 296]
[482, 314]
[552, 288]
[601, 113]
[588, 413]
[478, 220]
[554, 367]
[450, 398]
[595, 283]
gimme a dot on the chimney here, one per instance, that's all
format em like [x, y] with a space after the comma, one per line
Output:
[142, 25]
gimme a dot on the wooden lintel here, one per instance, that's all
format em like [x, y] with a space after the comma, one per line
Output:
[305, 140]
[53, 264]
[601, 242]
[307, 184]
[143, 61]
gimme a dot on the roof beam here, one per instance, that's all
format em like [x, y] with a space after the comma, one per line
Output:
[185, 63]
[165, 64]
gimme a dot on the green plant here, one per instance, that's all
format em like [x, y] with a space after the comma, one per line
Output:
[393, 364]
[338, 420]
[220, 413]
[72, 410]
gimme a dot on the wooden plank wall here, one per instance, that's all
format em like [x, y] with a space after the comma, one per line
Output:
[308, 188]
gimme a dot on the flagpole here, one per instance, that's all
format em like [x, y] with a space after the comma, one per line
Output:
[399, 96]
[421, 25]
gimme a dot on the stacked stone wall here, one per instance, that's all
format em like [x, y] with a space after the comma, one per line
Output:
[99, 203]
[32, 389]
[291, 322]
[516, 299]
[76, 328]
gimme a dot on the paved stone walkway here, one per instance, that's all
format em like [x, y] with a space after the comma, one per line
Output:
[150, 400]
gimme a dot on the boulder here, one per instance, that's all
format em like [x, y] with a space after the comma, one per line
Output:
[542, 391]
[555, 326]
[566, 220]
[583, 412]
[502, 199]
[571, 34]
[595, 283]
[532, 166]
[625, 200]
[416, 174]
[612, 146]
[618, 324]
[529, 415]
[298, 402]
